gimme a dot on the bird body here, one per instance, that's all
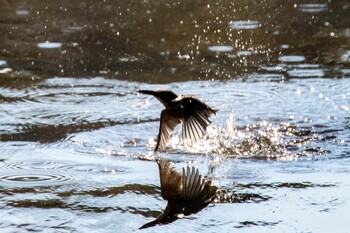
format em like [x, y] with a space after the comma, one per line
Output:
[188, 110]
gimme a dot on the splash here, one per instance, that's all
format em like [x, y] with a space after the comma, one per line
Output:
[261, 141]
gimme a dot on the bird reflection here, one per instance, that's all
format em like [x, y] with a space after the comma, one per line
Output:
[192, 112]
[187, 193]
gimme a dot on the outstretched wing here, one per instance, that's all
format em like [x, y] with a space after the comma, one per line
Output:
[170, 180]
[196, 119]
[167, 125]
[196, 191]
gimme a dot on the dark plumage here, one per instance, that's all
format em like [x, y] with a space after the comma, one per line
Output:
[188, 110]
[186, 193]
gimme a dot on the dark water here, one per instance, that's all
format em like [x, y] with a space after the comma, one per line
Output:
[73, 131]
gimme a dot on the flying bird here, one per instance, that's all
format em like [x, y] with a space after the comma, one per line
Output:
[186, 193]
[188, 110]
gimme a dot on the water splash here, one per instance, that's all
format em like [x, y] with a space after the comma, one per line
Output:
[262, 143]
[258, 142]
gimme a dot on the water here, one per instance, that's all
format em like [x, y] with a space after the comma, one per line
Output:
[74, 133]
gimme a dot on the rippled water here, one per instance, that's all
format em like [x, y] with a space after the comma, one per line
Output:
[75, 134]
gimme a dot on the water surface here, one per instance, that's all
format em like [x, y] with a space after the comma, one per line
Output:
[74, 133]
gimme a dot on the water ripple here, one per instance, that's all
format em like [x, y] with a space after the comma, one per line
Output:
[66, 166]
[33, 179]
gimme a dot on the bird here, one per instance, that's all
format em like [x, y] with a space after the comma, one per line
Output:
[191, 112]
[187, 193]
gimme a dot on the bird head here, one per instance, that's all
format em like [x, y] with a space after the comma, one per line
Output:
[165, 96]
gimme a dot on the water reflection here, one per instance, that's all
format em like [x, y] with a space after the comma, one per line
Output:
[186, 193]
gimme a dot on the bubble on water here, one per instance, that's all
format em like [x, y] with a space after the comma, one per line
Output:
[244, 24]
[306, 73]
[312, 8]
[49, 45]
[291, 58]
[220, 48]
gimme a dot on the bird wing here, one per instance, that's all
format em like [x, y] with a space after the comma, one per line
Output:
[196, 188]
[167, 125]
[196, 119]
[170, 180]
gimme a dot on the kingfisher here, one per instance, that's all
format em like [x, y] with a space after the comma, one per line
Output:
[190, 111]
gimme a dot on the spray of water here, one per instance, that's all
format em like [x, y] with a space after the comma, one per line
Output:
[259, 142]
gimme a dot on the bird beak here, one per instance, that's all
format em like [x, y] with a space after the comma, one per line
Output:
[147, 92]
